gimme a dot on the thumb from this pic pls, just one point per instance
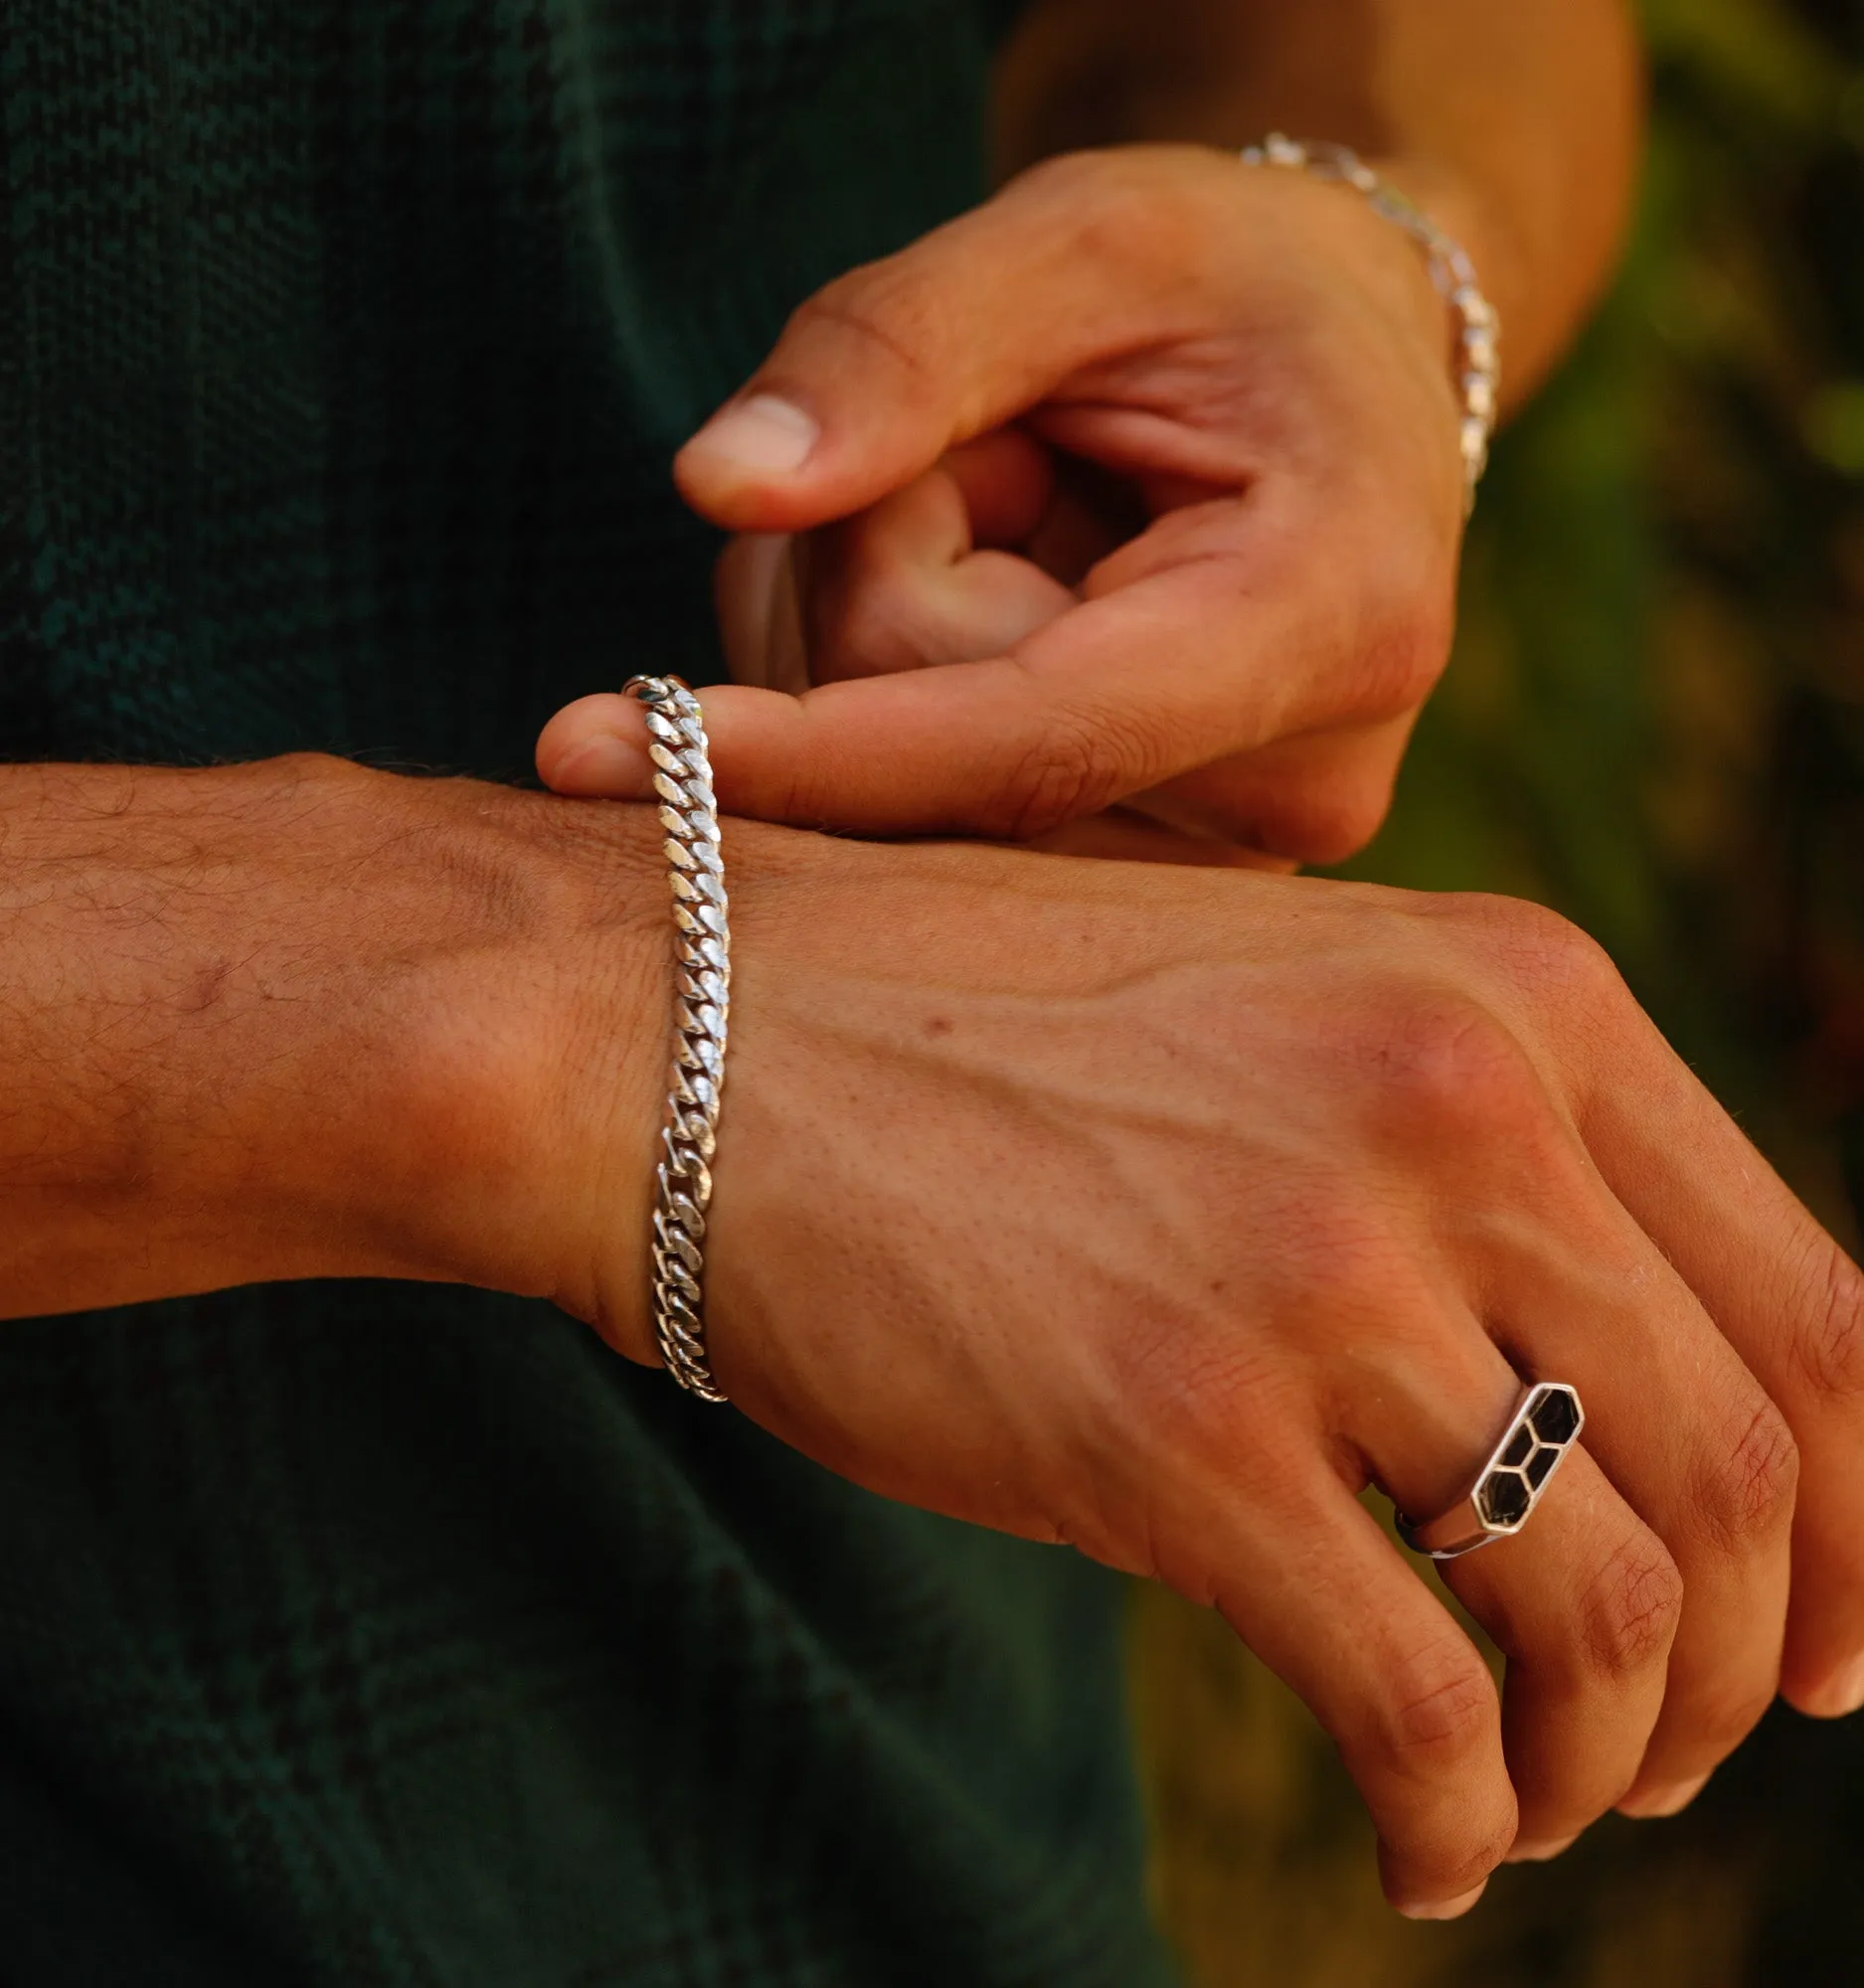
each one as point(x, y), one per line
point(878, 375)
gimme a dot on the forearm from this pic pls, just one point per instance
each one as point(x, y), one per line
point(296, 1019)
point(1517, 124)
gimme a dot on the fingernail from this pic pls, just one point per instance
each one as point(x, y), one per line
point(1664, 1801)
point(615, 768)
point(1843, 1692)
point(763, 437)
point(1445, 1909)
point(1540, 1853)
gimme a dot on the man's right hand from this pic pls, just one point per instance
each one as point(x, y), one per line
point(1156, 1211)
point(1159, 1210)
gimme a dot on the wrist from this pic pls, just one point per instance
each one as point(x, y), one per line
point(528, 1070)
point(1478, 226)
point(1364, 306)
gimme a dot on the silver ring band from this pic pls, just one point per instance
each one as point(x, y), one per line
point(1545, 1426)
point(689, 812)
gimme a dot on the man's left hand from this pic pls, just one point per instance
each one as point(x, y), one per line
point(1128, 501)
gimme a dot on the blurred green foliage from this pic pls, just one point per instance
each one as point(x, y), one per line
point(1655, 716)
point(1654, 721)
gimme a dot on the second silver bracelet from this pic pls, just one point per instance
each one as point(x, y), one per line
point(1478, 335)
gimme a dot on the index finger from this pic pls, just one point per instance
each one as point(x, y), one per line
point(877, 375)
point(1079, 261)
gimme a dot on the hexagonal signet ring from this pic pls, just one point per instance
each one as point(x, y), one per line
point(1544, 1427)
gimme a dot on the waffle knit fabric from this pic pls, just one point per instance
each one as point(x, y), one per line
point(343, 347)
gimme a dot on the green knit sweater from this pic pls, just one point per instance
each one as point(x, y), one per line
point(343, 347)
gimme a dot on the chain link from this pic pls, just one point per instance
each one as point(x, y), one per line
point(1452, 271)
point(689, 812)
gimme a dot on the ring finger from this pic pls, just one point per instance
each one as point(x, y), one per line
point(1583, 1602)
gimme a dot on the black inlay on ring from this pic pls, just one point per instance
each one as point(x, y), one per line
point(1504, 1498)
point(1557, 1417)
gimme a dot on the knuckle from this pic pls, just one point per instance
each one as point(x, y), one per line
point(1485, 1836)
point(1119, 212)
point(1547, 955)
point(1831, 1348)
point(1719, 1719)
point(1747, 1493)
point(1127, 226)
point(891, 308)
point(1440, 1707)
point(1404, 648)
point(1448, 1063)
point(1078, 766)
point(1632, 1607)
point(1456, 1846)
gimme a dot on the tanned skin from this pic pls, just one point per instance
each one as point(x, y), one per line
point(1156, 1210)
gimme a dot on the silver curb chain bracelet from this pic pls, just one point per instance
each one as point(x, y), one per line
point(702, 1001)
point(1451, 273)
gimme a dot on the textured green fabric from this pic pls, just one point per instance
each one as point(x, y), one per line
point(379, 1634)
